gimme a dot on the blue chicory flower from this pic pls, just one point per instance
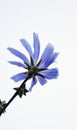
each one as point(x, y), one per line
point(35, 69)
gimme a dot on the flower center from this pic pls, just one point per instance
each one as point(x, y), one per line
point(32, 71)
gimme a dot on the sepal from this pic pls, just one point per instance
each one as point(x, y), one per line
point(2, 105)
point(21, 91)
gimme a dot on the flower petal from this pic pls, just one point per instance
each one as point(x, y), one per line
point(34, 81)
point(18, 54)
point(18, 77)
point(27, 46)
point(42, 80)
point(19, 64)
point(47, 52)
point(51, 59)
point(50, 73)
point(36, 45)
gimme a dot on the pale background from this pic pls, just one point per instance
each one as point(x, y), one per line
point(49, 107)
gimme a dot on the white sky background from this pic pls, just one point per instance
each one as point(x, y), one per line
point(49, 107)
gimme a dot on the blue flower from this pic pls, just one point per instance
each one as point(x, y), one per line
point(35, 69)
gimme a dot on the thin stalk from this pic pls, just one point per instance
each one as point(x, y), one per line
point(13, 97)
